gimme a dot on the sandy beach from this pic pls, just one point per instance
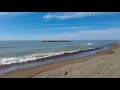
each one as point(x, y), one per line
point(104, 64)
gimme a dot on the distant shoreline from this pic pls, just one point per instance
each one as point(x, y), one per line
point(56, 41)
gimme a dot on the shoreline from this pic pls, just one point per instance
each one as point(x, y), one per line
point(32, 71)
point(6, 68)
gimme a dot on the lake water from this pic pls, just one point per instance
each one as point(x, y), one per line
point(22, 51)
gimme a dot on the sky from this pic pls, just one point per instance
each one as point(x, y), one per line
point(59, 25)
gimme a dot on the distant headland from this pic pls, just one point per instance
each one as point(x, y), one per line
point(56, 41)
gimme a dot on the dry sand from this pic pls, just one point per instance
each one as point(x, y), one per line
point(105, 64)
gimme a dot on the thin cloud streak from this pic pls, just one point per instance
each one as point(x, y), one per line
point(75, 27)
point(70, 15)
point(106, 34)
point(102, 34)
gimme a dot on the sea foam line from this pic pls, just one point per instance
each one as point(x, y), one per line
point(11, 60)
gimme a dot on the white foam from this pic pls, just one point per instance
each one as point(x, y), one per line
point(10, 60)
point(87, 44)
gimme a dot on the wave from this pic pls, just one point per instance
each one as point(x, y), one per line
point(89, 43)
point(85, 44)
point(11, 60)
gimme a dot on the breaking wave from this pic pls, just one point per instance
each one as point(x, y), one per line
point(85, 44)
point(11, 60)
point(88, 44)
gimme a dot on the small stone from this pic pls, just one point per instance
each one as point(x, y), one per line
point(65, 73)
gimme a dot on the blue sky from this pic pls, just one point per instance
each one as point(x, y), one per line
point(59, 26)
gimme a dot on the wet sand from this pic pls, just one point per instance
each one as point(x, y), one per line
point(104, 64)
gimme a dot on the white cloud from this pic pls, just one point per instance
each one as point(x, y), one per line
point(106, 34)
point(69, 15)
point(75, 27)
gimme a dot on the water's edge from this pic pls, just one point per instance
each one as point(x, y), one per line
point(66, 56)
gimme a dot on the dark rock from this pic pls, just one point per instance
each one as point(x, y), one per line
point(56, 41)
